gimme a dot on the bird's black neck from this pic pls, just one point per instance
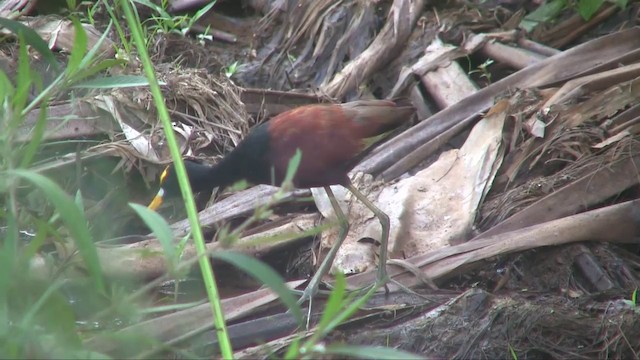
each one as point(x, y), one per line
point(205, 177)
point(248, 161)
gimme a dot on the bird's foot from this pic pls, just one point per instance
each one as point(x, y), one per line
point(383, 279)
point(313, 289)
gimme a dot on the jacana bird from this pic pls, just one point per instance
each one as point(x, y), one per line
point(332, 139)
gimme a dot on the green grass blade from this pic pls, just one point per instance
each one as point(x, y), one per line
point(544, 13)
point(29, 317)
point(88, 59)
point(96, 68)
point(371, 352)
point(206, 270)
point(334, 303)
point(30, 250)
point(8, 258)
point(158, 9)
point(294, 163)
point(79, 202)
point(621, 3)
point(119, 30)
point(513, 353)
point(120, 81)
point(167, 308)
point(200, 13)
point(350, 309)
point(73, 219)
point(162, 231)
point(33, 39)
point(293, 351)
point(79, 48)
point(264, 274)
point(588, 8)
point(6, 88)
point(24, 79)
point(32, 146)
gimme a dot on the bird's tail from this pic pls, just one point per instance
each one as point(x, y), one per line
point(377, 117)
point(376, 120)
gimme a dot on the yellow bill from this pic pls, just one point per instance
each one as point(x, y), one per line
point(157, 200)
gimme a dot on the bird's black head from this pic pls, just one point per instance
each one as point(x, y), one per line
point(169, 188)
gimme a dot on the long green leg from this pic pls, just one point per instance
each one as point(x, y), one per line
point(382, 277)
point(343, 223)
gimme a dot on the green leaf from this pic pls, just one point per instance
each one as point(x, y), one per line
point(621, 3)
point(23, 82)
point(200, 13)
point(154, 7)
point(264, 274)
point(120, 81)
point(93, 69)
point(292, 168)
point(34, 40)
point(513, 353)
point(88, 59)
point(547, 11)
point(371, 352)
point(74, 220)
point(113, 18)
point(335, 301)
point(79, 202)
point(37, 133)
point(544, 13)
point(8, 258)
point(293, 351)
point(350, 307)
point(172, 307)
point(587, 8)
point(162, 231)
point(29, 317)
point(79, 48)
point(42, 230)
point(6, 87)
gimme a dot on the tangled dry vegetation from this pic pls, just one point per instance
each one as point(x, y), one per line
point(515, 190)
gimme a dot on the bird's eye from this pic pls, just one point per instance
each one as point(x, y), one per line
point(164, 175)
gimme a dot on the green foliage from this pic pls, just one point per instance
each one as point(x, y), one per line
point(92, 11)
point(550, 10)
point(114, 82)
point(265, 275)
point(633, 302)
point(588, 8)
point(163, 22)
point(38, 321)
point(622, 4)
point(163, 233)
point(114, 14)
point(231, 69)
point(483, 70)
point(73, 218)
point(32, 39)
point(513, 353)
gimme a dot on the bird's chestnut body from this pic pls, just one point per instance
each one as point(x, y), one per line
point(331, 138)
